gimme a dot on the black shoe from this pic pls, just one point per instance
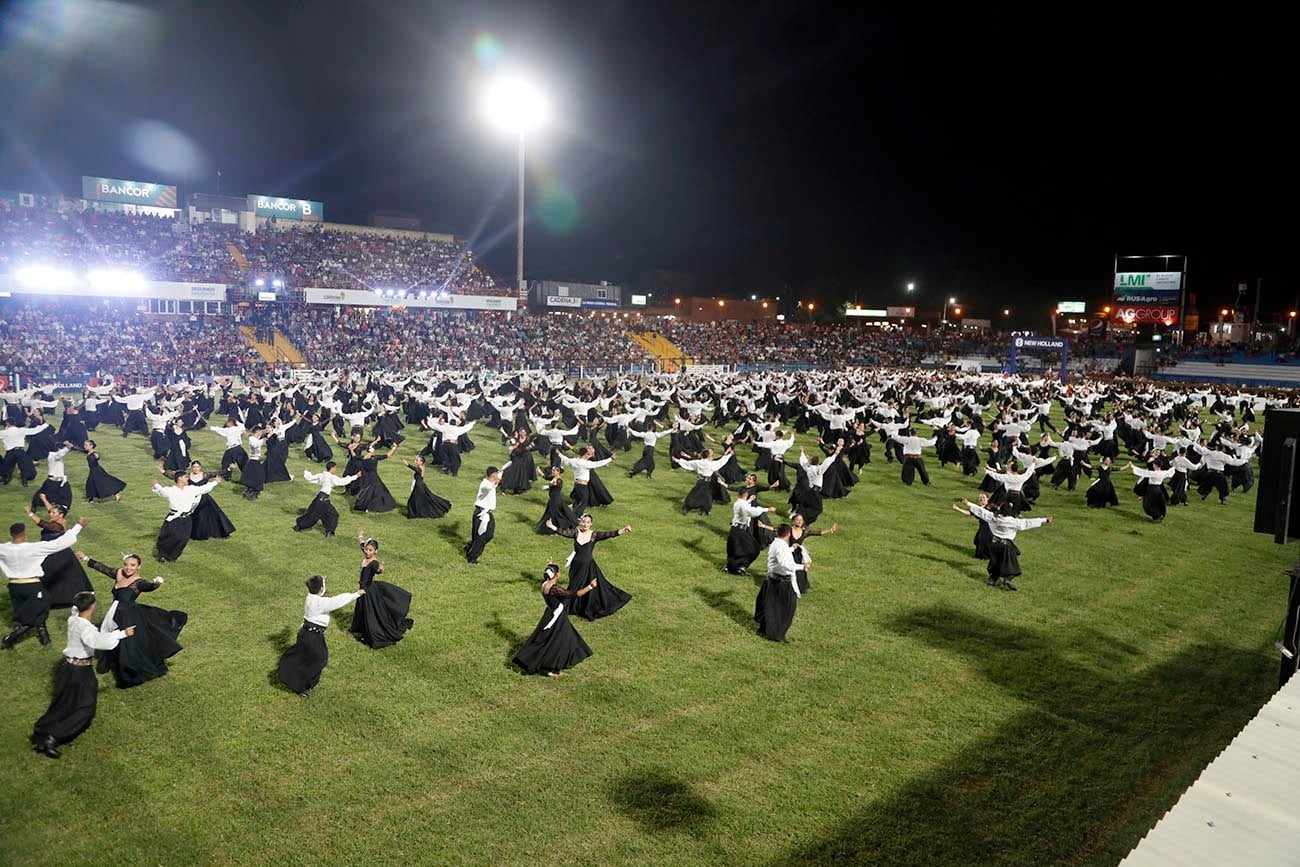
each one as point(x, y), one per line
point(1007, 585)
point(42, 635)
point(47, 745)
point(297, 529)
point(329, 533)
point(11, 639)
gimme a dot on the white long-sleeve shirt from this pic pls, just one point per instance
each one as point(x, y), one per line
point(16, 437)
point(1215, 460)
point(54, 460)
point(84, 639)
point(780, 561)
point(182, 500)
point(486, 499)
point(1156, 477)
point(912, 445)
point(1005, 527)
point(328, 481)
point(582, 467)
point(817, 472)
point(317, 608)
point(743, 512)
point(233, 435)
point(704, 468)
point(23, 560)
point(1011, 481)
point(777, 447)
point(649, 437)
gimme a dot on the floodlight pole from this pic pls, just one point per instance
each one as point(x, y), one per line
point(519, 250)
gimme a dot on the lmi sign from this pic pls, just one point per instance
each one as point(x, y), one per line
point(1148, 287)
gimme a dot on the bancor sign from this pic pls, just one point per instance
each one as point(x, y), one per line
point(128, 192)
point(287, 209)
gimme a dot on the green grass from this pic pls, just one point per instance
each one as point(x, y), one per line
point(916, 717)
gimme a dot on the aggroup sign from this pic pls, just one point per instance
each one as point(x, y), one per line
point(1147, 313)
point(128, 192)
point(287, 209)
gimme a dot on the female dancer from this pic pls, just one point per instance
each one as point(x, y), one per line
point(373, 495)
point(558, 511)
point(1101, 493)
point(301, 665)
point(778, 595)
point(554, 645)
point(76, 691)
point(583, 570)
point(99, 484)
point(157, 630)
point(64, 578)
point(277, 455)
point(803, 559)
point(253, 474)
point(983, 536)
point(523, 470)
point(588, 489)
point(209, 520)
point(1155, 499)
point(178, 447)
point(379, 619)
point(423, 503)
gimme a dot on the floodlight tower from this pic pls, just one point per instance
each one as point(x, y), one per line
point(516, 106)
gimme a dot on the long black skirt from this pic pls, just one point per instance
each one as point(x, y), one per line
point(983, 541)
point(301, 665)
point(554, 649)
point(559, 513)
point(379, 617)
point(144, 655)
point(173, 536)
point(700, 497)
point(600, 495)
point(253, 477)
point(31, 603)
point(100, 485)
point(424, 503)
point(72, 708)
point(209, 521)
point(1101, 494)
point(518, 477)
point(59, 493)
point(64, 578)
point(742, 549)
point(774, 607)
point(602, 601)
point(1155, 502)
point(373, 495)
point(1004, 559)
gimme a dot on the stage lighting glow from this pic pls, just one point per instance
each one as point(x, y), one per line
point(165, 149)
point(45, 276)
point(487, 51)
point(515, 105)
point(278, 284)
point(259, 282)
point(105, 280)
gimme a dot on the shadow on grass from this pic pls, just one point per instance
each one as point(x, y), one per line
point(697, 545)
point(513, 639)
point(1077, 777)
point(658, 802)
point(722, 602)
point(280, 641)
point(967, 551)
point(451, 534)
point(965, 567)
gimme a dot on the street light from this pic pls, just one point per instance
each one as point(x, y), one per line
point(911, 286)
point(516, 106)
point(945, 309)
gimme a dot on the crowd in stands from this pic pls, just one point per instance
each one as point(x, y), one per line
point(302, 256)
point(53, 340)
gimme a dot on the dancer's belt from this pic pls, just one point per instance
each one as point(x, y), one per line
point(77, 660)
point(312, 627)
point(24, 580)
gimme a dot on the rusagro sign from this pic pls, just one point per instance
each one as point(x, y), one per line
point(287, 209)
point(128, 192)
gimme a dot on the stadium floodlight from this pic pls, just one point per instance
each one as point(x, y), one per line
point(401, 293)
point(111, 281)
point(911, 287)
point(516, 106)
point(45, 277)
point(277, 283)
point(259, 282)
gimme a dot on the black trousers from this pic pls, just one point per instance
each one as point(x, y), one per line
point(1211, 481)
point(17, 458)
point(322, 510)
point(646, 462)
point(913, 466)
point(478, 540)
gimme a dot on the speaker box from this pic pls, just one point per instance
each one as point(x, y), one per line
point(1277, 500)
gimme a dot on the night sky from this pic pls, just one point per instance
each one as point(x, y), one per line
point(996, 153)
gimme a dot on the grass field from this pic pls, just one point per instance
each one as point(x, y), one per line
point(915, 717)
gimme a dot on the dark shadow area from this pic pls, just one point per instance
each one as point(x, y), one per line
point(659, 802)
point(280, 641)
point(451, 534)
point(513, 639)
point(967, 551)
point(697, 545)
point(722, 603)
point(1078, 777)
point(965, 567)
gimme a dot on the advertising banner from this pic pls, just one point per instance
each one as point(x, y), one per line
point(287, 209)
point(1150, 288)
point(901, 312)
point(1019, 344)
point(562, 301)
point(1147, 313)
point(76, 286)
point(128, 192)
point(1071, 307)
point(364, 298)
point(603, 303)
